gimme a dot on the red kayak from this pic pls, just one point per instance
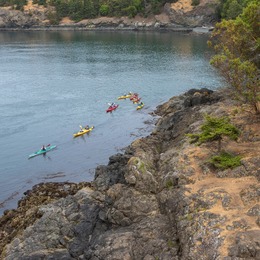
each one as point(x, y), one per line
point(134, 96)
point(112, 108)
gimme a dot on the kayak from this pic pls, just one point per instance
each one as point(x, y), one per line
point(136, 100)
point(134, 96)
point(110, 109)
point(140, 106)
point(47, 149)
point(124, 96)
point(83, 131)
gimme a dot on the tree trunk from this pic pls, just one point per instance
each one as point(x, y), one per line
point(257, 107)
point(219, 144)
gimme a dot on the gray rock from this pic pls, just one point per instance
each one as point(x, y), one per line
point(247, 245)
point(140, 205)
point(254, 211)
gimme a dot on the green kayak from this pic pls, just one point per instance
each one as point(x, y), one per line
point(47, 149)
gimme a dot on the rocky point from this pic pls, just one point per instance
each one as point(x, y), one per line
point(158, 200)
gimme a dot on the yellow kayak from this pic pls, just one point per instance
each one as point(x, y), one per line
point(140, 106)
point(124, 96)
point(83, 131)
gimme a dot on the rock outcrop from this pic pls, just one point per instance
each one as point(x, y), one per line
point(183, 13)
point(159, 200)
point(14, 19)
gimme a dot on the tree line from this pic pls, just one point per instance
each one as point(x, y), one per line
point(82, 9)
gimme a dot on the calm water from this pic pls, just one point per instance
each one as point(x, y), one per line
point(51, 82)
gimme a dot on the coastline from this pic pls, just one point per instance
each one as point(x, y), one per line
point(156, 201)
point(198, 30)
point(40, 37)
point(169, 20)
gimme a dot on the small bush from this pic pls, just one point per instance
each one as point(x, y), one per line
point(104, 10)
point(195, 2)
point(225, 160)
point(169, 184)
point(142, 167)
point(171, 244)
point(130, 11)
point(54, 18)
point(76, 17)
point(42, 2)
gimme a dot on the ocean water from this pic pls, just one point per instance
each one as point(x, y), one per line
point(52, 82)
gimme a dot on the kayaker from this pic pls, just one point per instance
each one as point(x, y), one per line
point(43, 148)
point(112, 105)
point(81, 129)
point(87, 127)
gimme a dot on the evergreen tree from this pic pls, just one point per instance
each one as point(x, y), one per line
point(237, 44)
point(214, 129)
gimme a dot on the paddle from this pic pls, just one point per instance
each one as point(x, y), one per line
point(48, 145)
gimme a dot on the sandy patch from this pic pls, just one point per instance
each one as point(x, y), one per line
point(182, 5)
point(66, 21)
point(33, 7)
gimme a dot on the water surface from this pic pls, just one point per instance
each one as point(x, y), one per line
point(52, 82)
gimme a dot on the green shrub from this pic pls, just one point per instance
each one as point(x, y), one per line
point(53, 18)
point(169, 184)
point(39, 2)
point(104, 10)
point(195, 2)
point(17, 4)
point(42, 2)
point(232, 9)
point(214, 129)
point(225, 160)
point(171, 244)
point(156, 6)
point(142, 167)
point(130, 11)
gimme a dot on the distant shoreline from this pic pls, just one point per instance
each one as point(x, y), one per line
point(202, 30)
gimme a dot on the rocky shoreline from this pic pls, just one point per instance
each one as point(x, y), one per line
point(121, 26)
point(158, 200)
point(108, 28)
point(178, 17)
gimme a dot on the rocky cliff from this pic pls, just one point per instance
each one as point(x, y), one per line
point(158, 200)
point(178, 16)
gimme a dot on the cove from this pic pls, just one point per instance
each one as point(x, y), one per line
point(52, 82)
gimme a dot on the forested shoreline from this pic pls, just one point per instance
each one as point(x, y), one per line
point(89, 9)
